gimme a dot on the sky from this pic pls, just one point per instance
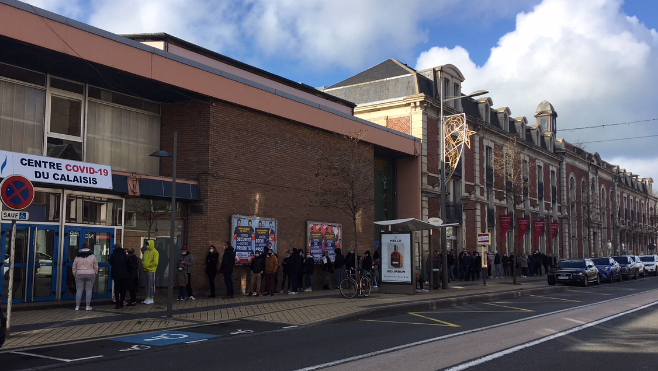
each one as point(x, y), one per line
point(596, 61)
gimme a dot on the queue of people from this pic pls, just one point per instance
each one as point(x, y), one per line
point(296, 270)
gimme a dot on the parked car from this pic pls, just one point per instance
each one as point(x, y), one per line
point(628, 267)
point(650, 264)
point(580, 271)
point(608, 269)
point(639, 264)
point(44, 270)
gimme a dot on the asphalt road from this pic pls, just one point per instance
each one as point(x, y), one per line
point(432, 340)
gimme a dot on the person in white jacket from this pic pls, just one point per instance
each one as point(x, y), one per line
point(85, 269)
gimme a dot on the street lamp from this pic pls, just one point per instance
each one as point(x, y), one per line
point(442, 168)
point(172, 250)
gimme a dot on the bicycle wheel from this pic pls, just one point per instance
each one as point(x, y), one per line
point(366, 286)
point(348, 288)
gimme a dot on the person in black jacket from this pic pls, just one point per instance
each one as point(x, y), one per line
point(366, 264)
point(294, 262)
point(327, 270)
point(350, 260)
point(226, 268)
point(301, 271)
point(133, 276)
point(339, 266)
point(212, 260)
point(285, 272)
point(506, 267)
point(309, 267)
point(257, 268)
point(119, 264)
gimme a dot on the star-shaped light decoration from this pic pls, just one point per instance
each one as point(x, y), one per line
point(457, 135)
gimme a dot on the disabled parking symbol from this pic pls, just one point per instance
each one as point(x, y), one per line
point(165, 338)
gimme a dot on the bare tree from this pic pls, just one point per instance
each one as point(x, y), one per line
point(148, 212)
point(509, 163)
point(343, 186)
point(591, 214)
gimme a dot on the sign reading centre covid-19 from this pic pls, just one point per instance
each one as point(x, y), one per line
point(55, 170)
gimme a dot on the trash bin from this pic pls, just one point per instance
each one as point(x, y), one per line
point(436, 278)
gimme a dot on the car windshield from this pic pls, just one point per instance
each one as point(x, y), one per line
point(646, 258)
point(621, 259)
point(601, 261)
point(572, 264)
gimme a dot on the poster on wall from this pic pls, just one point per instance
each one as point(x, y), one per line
point(321, 237)
point(396, 257)
point(251, 234)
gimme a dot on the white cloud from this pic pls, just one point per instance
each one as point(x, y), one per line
point(595, 65)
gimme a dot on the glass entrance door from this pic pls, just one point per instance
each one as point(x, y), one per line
point(35, 261)
point(101, 242)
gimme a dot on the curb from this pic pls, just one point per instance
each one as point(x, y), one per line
point(402, 308)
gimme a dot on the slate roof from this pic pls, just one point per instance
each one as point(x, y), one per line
point(387, 69)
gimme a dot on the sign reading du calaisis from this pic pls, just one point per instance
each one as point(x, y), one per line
point(55, 170)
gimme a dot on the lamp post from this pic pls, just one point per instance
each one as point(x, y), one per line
point(442, 168)
point(172, 250)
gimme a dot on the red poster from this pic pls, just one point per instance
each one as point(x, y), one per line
point(539, 229)
point(554, 229)
point(524, 223)
point(505, 224)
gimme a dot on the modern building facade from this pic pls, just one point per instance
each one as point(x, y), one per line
point(248, 145)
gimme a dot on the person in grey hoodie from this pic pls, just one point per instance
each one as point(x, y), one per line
point(188, 260)
point(85, 269)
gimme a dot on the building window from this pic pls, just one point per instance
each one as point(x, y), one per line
point(82, 209)
point(66, 112)
point(22, 117)
point(489, 157)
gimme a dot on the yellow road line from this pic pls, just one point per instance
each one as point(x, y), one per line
point(505, 306)
point(408, 323)
point(547, 297)
point(588, 292)
point(434, 319)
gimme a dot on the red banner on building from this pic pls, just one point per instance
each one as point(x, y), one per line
point(524, 223)
point(505, 224)
point(554, 228)
point(539, 229)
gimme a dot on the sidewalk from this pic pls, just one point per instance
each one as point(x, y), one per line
point(59, 323)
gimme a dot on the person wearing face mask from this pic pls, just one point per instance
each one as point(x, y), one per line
point(119, 264)
point(285, 268)
point(188, 259)
point(308, 269)
point(181, 280)
point(271, 266)
point(212, 260)
point(294, 263)
point(301, 271)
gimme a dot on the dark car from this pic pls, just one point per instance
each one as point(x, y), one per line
point(580, 271)
point(609, 269)
point(628, 267)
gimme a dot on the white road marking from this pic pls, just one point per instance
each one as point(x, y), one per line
point(438, 338)
point(491, 357)
point(55, 358)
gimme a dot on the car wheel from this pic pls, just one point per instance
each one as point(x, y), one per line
point(612, 277)
point(551, 283)
point(598, 280)
point(637, 274)
point(620, 277)
point(586, 282)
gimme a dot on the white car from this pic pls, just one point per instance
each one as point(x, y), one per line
point(650, 264)
point(639, 264)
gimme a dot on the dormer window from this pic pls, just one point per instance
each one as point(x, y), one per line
point(487, 113)
point(544, 124)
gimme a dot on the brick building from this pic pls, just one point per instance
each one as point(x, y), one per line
point(566, 203)
point(248, 146)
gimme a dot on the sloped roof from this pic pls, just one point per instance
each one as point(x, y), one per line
point(387, 69)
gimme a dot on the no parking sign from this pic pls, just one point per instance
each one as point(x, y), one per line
point(17, 192)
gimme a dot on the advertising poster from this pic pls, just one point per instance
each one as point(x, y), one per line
point(323, 237)
point(252, 234)
point(396, 257)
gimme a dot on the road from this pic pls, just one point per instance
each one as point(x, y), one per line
point(599, 326)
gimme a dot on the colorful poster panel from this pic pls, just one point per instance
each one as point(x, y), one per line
point(321, 236)
point(251, 234)
point(396, 257)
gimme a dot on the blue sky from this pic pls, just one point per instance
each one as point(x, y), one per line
point(596, 61)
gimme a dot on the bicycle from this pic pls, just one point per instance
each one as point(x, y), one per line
point(349, 288)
